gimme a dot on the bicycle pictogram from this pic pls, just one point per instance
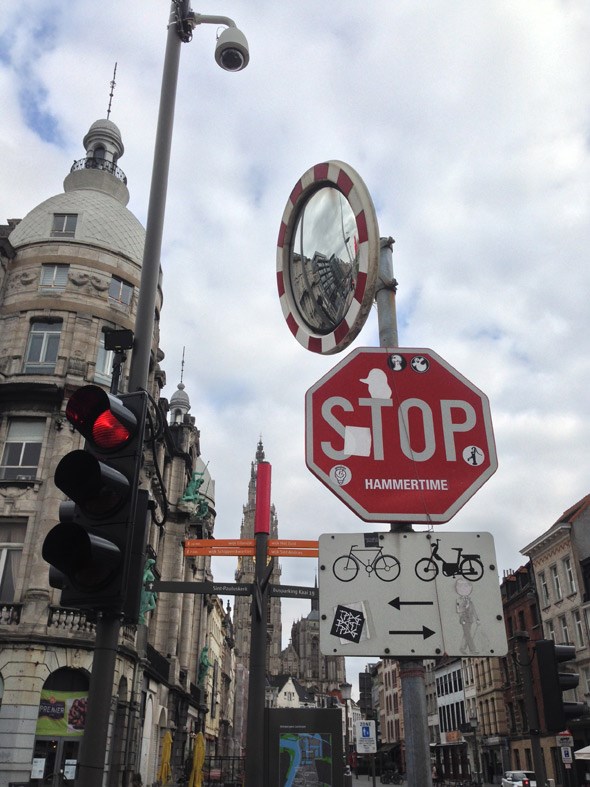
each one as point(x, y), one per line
point(386, 567)
point(468, 566)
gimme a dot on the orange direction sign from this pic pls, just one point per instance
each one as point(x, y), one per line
point(283, 547)
point(194, 547)
point(277, 547)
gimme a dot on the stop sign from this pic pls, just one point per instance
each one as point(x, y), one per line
point(399, 435)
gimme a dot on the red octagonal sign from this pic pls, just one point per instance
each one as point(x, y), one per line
point(399, 435)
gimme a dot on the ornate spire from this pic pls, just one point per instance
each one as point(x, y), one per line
point(260, 451)
point(113, 85)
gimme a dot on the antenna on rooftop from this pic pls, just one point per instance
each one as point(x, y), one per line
point(113, 85)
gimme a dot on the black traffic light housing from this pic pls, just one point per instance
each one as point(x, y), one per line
point(97, 551)
point(557, 712)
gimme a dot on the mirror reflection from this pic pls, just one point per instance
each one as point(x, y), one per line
point(324, 259)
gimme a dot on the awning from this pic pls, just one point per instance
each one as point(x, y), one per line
point(583, 754)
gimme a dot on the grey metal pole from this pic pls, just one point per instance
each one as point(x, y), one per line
point(530, 706)
point(91, 762)
point(385, 296)
point(418, 767)
point(411, 670)
point(92, 755)
point(255, 762)
point(150, 271)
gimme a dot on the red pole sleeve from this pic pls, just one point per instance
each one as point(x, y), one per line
point(262, 519)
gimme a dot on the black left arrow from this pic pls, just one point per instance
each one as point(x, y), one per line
point(397, 603)
point(426, 632)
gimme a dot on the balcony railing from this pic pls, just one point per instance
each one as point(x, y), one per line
point(10, 613)
point(102, 164)
point(72, 620)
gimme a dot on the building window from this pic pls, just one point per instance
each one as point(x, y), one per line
point(120, 291)
point(544, 589)
point(579, 628)
point(12, 538)
point(569, 573)
point(64, 225)
point(565, 635)
point(42, 348)
point(556, 582)
point(104, 363)
point(20, 458)
point(54, 277)
point(550, 630)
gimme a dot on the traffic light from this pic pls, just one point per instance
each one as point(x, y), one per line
point(97, 551)
point(554, 683)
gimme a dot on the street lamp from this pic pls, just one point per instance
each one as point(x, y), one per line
point(231, 53)
point(473, 723)
point(346, 693)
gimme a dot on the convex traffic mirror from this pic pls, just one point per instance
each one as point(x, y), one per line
point(328, 256)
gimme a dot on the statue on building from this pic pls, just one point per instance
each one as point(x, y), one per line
point(148, 596)
point(204, 665)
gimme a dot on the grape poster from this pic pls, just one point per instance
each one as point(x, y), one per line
point(62, 713)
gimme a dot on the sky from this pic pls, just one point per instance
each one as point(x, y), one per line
point(469, 123)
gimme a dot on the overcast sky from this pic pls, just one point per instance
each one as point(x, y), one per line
point(469, 123)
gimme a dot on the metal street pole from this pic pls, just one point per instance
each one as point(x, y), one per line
point(94, 743)
point(233, 56)
point(524, 661)
point(255, 750)
point(345, 691)
point(411, 670)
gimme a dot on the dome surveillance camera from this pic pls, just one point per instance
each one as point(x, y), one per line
point(231, 51)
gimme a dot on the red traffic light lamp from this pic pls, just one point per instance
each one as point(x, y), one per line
point(96, 552)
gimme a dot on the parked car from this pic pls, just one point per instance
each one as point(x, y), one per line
point(519, 779)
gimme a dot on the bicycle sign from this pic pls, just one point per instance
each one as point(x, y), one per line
point(346, 567)
point(410, 594)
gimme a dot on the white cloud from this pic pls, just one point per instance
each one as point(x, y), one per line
point(469, 124)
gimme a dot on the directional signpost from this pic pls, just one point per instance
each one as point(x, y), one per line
point(410, 594)
point(399, 435)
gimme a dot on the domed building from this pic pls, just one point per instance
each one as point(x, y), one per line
point(69, 279)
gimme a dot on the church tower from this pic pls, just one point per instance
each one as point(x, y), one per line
point(245, 573)
point(303, 659)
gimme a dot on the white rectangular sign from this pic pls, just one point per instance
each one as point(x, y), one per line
point(366, 737)
point(421, 594)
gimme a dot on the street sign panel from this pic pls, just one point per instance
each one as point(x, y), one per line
point(399, 435)
point(365, 736)
point(410, 594)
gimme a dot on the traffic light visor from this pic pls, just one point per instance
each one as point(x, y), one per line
point(101, 418)
point(97, 488)
point(87, 560)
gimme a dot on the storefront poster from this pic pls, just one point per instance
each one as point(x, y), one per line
point(62, 713)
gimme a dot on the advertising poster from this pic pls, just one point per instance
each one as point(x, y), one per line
point(304, 747)
point(62, 713)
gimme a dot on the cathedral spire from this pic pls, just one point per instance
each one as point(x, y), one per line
point(260, 451)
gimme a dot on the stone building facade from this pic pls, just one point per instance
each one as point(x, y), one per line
point(69, 271)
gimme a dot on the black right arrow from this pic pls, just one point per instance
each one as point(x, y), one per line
point(426, 632)
point(397, 603)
